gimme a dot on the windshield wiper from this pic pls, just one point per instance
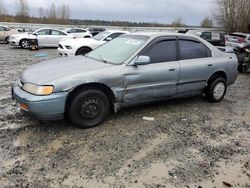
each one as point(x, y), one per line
point(103, 59)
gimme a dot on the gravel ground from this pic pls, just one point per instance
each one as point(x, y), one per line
point(190, 143)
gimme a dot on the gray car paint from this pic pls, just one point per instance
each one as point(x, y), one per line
point(134, 84)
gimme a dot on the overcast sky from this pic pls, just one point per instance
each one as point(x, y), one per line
point(161, 11)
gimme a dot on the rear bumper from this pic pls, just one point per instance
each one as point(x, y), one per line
point(51, 107)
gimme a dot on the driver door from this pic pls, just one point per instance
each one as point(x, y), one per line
point(43, 37)
point(156, 80)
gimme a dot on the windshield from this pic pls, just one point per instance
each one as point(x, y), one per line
point(101, 35)
point(118, 50)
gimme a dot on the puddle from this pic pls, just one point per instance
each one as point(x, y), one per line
point(233, 174)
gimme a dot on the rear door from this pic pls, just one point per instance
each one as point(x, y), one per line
point(56, 37)
point(156, 80)
point(196, 65)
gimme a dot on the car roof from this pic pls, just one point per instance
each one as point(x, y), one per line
point(116, 31)
point(160, 34)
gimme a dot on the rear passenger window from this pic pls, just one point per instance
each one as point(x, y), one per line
point(80, 31)
point(163, 51)
point(190, 49)
point(206, 35)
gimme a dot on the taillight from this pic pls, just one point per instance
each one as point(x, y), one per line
point(241, 40)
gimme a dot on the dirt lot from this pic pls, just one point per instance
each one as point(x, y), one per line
point(191, 143)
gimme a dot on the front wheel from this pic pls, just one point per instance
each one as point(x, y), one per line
point(83, 51)
point(89, 108)
point(24, 43)
point(216, 90)
point(7, 40)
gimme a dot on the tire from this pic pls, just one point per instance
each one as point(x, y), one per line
point(83, 51)
point(216, 90)
point(88, 108)
point(7, 40)
point(240, 68)
point(24, 43)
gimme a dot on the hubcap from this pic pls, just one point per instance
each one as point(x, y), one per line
point(25, 44)
point(219, 90)
point(90, 108)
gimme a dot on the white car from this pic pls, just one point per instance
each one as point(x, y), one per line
point(47, 37)
point(85, 45)
point(79, 32)
point(5, 33)
point(238, 40)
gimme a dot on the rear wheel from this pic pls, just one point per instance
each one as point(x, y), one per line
point(88, 108)
point(83, 51)
point(216, 90)
point(24, 43)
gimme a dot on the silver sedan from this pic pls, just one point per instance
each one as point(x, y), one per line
point(129, 70)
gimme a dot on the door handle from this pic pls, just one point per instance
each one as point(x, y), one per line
point(210, 65)
point(172, 69)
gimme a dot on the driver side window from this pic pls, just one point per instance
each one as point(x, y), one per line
point(44, 32)
point(162, 51)
point(113, 36)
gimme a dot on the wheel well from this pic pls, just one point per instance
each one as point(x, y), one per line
point(21, 41)
point(86, 47)
point(87, 36)
point(102, 87)
point(217, 75)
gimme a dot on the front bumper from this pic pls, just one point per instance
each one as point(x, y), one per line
point(65, 53)
point(51, 107)
point(14, 42)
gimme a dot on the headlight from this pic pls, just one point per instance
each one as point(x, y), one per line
point(68, 47)
point(38, 90)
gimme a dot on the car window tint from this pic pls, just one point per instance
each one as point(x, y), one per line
point(7, 29)
point(44, 32)
point(190, 49)
point(2, 29)
point(114, 35)
point(55, 32)
point(206, 35)
point(80, 31)
point(71, 31)
point(163, 51)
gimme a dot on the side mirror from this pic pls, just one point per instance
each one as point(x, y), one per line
point(35, 34)
point(108, 39)
point(142, 60)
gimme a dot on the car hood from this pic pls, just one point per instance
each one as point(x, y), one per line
point(46, 72)
point(79, 41)
point(24, 35)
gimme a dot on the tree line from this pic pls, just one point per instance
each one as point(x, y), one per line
point(231, 15)
point(54, 14)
